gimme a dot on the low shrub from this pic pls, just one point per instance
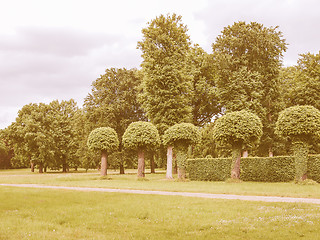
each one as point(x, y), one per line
point(257, 169)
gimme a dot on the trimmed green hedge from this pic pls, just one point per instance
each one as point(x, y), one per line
point(258, 169)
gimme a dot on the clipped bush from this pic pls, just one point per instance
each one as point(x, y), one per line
point(181, 136)
point(301, 125)
point(105, 140)
point(239, 130)
point(275, 169)
point(141, 136)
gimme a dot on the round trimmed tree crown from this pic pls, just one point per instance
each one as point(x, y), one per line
point(103, 139)
point(141, 135)
point(181, 134)
point(299, 122)
point(238, 128)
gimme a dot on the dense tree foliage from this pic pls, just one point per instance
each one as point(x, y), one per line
point(240, 130)
point(301, 124)
point(105, 140)
point(248, 60)
point(141, 137)
point(166, 84)
point(181, 136)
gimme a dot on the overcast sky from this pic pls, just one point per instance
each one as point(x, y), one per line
point(55, 49)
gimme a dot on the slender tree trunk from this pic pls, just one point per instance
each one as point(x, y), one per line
point(174, 159)
point(104, 163)
point(245, 154)
point(152, 164)
point(45, 169)
point(121, 168)
point(301, 151)
point(169, 163)
point(141, 164)
point(40, 167)
point(76, 168)
point(64, 167)
point(32, 166)
point(270, 152)
point(235, 168)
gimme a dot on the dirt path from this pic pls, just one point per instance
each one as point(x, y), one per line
point(184, 194)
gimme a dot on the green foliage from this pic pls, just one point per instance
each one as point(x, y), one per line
point(304, 82)
point(3, 149)
point(204, 102)
point(248, 59)
point(206, 146)
point(274, 169)
point(237, 129)
point(182, 134)
point(209, 169)
point(299, 123)
point(257, 169)
point(103, 139)
point(113, 100)
point(141, 135)
point(166, 85)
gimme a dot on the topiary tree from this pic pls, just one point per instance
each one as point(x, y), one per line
point(104, 139)
point(141, 136)
point(181, 136)
point(301, 125)
point(239, 130)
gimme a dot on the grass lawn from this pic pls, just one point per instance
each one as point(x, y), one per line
point(61, 214)
point(157, 182)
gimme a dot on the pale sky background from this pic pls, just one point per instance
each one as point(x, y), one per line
point(55, 49)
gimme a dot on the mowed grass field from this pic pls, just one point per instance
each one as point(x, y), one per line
point(27, 213)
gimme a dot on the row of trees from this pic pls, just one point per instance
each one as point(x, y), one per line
point(178, 82)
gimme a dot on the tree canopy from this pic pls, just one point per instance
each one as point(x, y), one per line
point(103, 139)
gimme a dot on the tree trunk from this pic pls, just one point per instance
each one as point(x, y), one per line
point(75, 168)
point(104, 163)
point(235, 168)
point(181, 173)
point(32, 166)
point(121, 168)
point(245, 154)
point(64, 167)
point(169, 163)
point(270, 152)
point(152, 164)
point(141, 164)
point(301, 151)
point(45, 169)
point(174, 159)
point(40, 168)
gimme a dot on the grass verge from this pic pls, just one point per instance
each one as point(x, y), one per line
point(59, 214)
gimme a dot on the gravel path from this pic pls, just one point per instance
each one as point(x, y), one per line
point(184, 194)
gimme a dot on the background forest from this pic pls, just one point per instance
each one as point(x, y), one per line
point(178, 82)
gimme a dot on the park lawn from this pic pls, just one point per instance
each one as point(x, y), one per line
point(63, 214)
point(157, 182)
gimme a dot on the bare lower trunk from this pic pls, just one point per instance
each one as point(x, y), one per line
point(270, 152)
point(152, 165)
point(104, 163)
point(174, 159)
point(32, 166)
point(64, 167)
point(181, 173)
point(141, 164)
point(245, 154)
point(40, 168)
point(235, 168)
point(169, 163)
point(121, 168)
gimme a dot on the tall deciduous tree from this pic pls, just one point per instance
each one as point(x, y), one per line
point(204, 101)
point(113, 101)
point(304, 86)
point(166, 84)
point(248, 58)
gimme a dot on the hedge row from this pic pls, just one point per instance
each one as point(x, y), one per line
point(258, 169)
